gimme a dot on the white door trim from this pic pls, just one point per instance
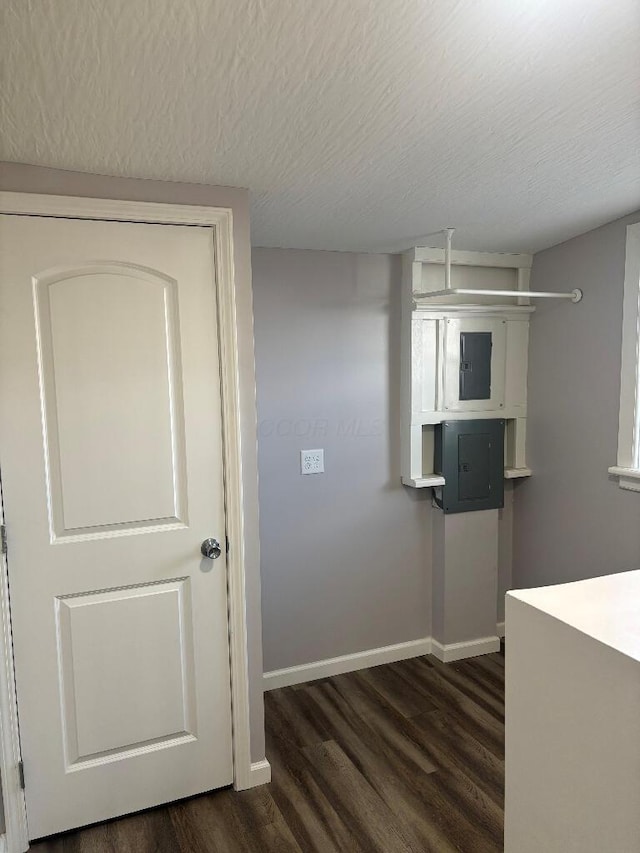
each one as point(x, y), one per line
point(13, 802)
point(221, 222)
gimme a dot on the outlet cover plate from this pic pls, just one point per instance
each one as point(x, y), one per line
point(312, 461)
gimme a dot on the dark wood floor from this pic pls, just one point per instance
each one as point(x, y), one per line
point(397, 758)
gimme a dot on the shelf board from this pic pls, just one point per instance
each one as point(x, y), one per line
point(427, 482)
point(432, 480)
point(516, 473)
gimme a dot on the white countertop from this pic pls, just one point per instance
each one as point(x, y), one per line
point(605, 608)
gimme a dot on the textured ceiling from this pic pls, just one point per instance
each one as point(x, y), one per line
point(356, 124)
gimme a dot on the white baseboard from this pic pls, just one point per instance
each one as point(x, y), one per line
point(260, 773)
point(375, 657)
point(470, 649)
point(257, 773)
point(345, 663)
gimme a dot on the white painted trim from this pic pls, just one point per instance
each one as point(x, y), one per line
point(501, 312)
point(32, 204)
point(428, 255)
point(260, 773)
point(345, 663)
point(436, 417)
point(516, 473)
point(470, 649)
point(628, 478)
point(428, 482)
point(628, 458)
point(305, 672)
point(632, 473)
point(16, 837)
point(3, 844)
point(523, 278)
point(232, 452)
point(220, 219)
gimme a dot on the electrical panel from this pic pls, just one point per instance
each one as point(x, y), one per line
point(475, 366)
point(470, 457)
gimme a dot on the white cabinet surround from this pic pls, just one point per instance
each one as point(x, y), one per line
point(465, 545)
point(430, 361)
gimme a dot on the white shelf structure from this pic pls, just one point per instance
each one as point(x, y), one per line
point(479, 298)
point(429, 482)
point(465, 341)
point(437, 256)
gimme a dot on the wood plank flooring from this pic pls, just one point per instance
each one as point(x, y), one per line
point(401, 758)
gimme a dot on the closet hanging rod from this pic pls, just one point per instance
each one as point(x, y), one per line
point(574, 295)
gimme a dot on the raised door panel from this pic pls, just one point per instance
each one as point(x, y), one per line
point(125, 659)
point(111, 399)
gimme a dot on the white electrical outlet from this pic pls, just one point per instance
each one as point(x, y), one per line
point(312, 461)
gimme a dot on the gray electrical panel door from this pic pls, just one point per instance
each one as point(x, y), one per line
point(475, 365)
point(470, 457)
point(474, 467)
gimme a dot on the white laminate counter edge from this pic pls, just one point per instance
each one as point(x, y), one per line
point(606, 608)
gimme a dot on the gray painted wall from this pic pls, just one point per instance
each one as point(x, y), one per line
point(465, 575)
point(505, 546)
point(16, 177)
point(346, 554)
point(571, 519)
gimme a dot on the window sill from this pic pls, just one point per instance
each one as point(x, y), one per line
point(628, 478)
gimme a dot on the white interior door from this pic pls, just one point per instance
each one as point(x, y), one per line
point(111, 461)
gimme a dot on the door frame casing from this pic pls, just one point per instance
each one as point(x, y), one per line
point(220, 221)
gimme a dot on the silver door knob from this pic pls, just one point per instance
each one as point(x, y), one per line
point(211, 548)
